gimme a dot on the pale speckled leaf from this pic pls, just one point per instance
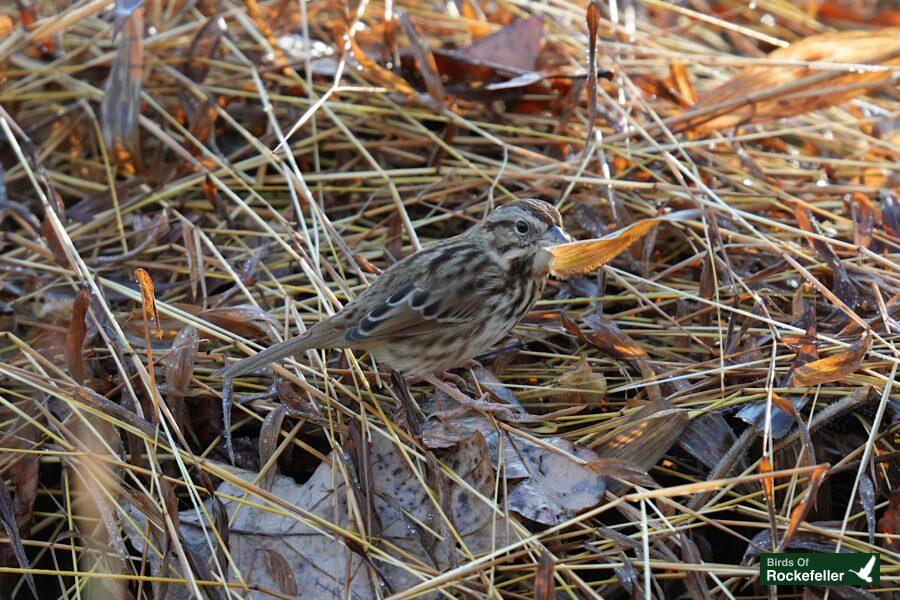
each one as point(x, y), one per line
point(323, 566)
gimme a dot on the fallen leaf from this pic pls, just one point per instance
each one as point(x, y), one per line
point(707, 438)
point(833, 368)
point(765, 92)
point(581, 384)
point(75, 336)
point(798, 514)
point(179, 370)
point(318, 555)
point(547, 481)
point(584, 256)
point(559, 484)
point(242, 320)
point(120, 106)
point(842, 286)
point(645, 438)
point(544, 589)
point(516, 46)
point(148, 297)
point(425, 61)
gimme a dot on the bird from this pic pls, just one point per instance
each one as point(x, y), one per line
point(866, 572)
point(445, 303)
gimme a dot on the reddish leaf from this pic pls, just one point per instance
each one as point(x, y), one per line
point(516, 46)
point(75, 336)
point(543, 578)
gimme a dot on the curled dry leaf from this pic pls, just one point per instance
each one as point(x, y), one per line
point(180, 369)
point(121, 103)
point(765, 92)
point(833, 368)
point(148, 297)
point(584, 256)
point(646, 438)
point(425, 61)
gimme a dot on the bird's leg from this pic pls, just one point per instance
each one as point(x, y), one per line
point(466, 402)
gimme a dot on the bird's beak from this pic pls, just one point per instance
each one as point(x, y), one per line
point(555, 236)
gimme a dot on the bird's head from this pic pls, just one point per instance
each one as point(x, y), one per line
point(521, 230)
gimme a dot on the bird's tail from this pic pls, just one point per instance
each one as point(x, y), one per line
point(295, 345)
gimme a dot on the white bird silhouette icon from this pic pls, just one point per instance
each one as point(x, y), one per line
point(866, 572)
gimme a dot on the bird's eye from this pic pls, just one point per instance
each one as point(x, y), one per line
point(521, 226)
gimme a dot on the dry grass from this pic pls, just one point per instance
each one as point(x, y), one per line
point(258, 193)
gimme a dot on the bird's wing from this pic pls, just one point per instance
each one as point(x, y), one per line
point(416, 310)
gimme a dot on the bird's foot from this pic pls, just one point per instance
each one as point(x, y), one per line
point(466, 402)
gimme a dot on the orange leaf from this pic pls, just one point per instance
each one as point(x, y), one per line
point(765, 466)
point(765, 92)
point(583, 256)
point(833, 368)
point(148, 297)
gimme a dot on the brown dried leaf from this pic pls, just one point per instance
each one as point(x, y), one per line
point(242, 320)
point(180, 369)
point(544, 588)
point(268, 443)
point(645, 439)
point(765, 466)
point(121, 103)
point(765, 92)
point(834, 368)
point(842, 286)
point(801, 510)
point(516, 46)
point(425, 61)
point(584, 256)
point(626, 470)
point(75, 336)
point(864, 220)
point(202, 48)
